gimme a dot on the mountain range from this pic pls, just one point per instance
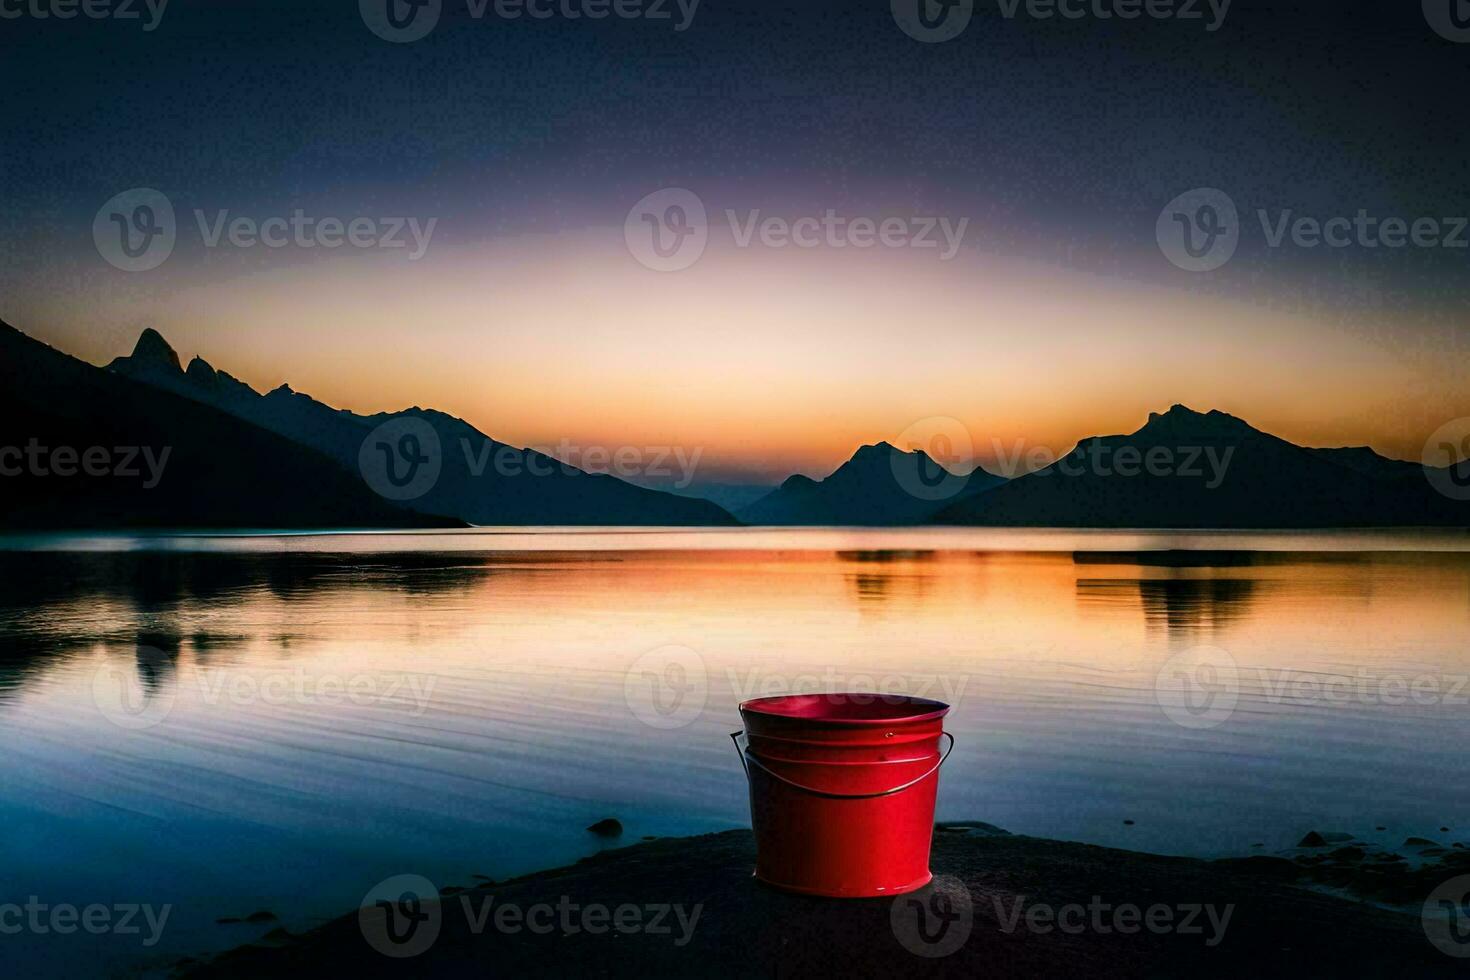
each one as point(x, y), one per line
point(1189, 469)
point(237, 457)
point(480, 480)
point(880, 485)
point(83, 448)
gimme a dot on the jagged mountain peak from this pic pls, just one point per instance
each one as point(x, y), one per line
point(152, 348)
point(1181, 420)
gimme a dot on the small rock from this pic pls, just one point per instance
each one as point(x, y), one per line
point(649, 837)
point(1444, 830)
point(1458, 844)
point(1347, 854)
point(264, 915)
point(607, 827)
point(1380, 828)
point(483, 878)
point(1430, 852)
point(1127, 823)
point(1420, 842)
point(276, 935)
point(1313, 839)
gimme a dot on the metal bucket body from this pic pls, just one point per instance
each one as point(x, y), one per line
point(842, 791)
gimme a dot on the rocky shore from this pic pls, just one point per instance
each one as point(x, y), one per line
point(1001, 906)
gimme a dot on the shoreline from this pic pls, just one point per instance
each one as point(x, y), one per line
point(1001, 905)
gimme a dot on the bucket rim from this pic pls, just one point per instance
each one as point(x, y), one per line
point(927, 709)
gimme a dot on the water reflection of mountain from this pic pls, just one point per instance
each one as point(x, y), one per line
point(63, 603)
point(1177, 591)
point(885, 581)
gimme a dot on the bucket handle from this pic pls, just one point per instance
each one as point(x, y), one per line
point(747, 760)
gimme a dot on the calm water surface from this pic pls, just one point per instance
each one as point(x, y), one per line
point(226, 724)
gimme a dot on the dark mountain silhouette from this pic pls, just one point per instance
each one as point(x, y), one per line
point(1212, 470)
point(879, 486)
point(480, 480)
point(99, 457)
point(1369, 463)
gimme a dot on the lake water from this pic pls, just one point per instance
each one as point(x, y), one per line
point(227, 724)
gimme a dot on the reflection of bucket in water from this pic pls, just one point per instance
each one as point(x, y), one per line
point(842, 790)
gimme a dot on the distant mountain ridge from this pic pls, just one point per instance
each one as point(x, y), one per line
point(240, 458)
point(112, 453)
point(1188, 469)
point(880, 485)
point(480, 480)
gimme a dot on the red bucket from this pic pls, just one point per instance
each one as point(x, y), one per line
point(842, 790)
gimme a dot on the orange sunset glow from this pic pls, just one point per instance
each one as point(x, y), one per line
point(564, 340)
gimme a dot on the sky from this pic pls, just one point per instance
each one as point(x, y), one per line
point(1033, 175)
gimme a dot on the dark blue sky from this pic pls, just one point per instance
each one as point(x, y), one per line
point(1071, 131)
